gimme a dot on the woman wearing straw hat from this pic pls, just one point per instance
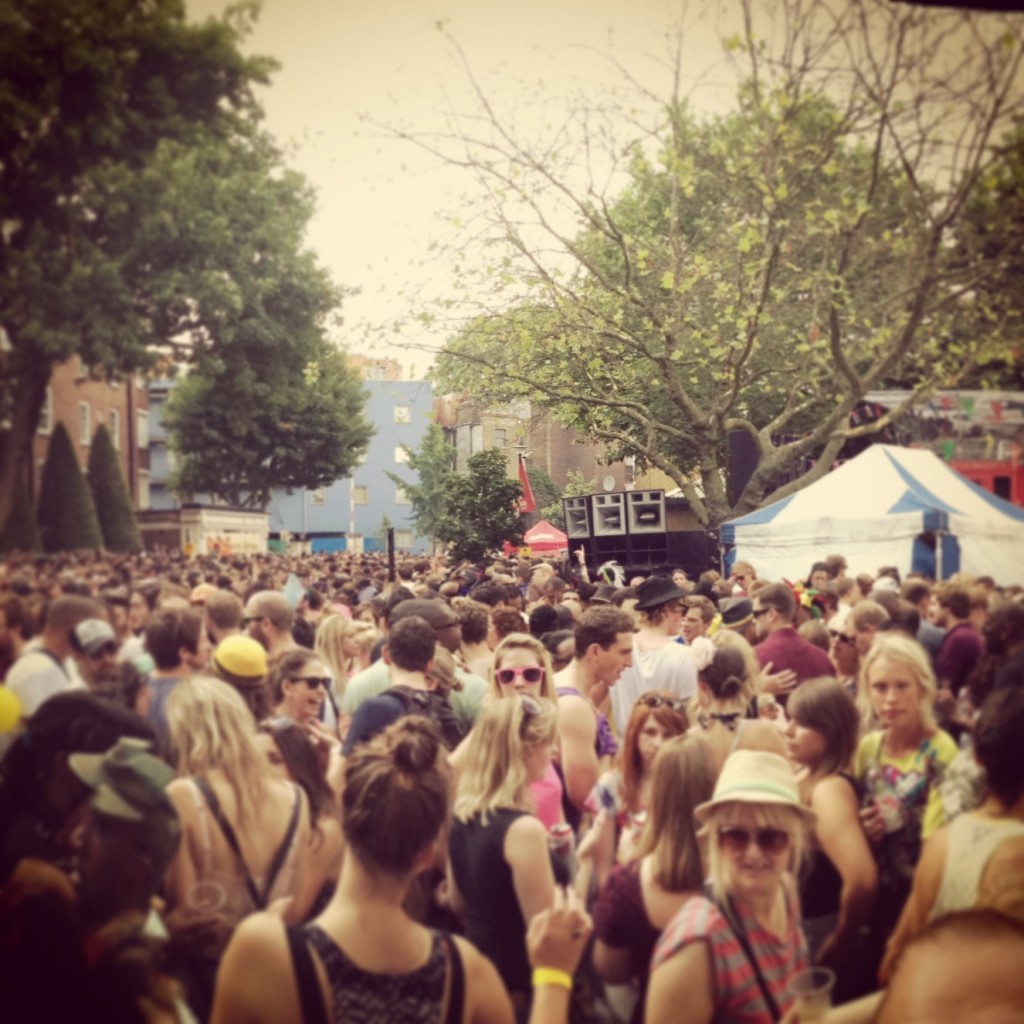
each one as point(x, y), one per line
point(731, 958)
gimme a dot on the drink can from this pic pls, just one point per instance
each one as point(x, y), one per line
point(561, 841)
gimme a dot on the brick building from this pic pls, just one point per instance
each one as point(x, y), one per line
point(82, 403)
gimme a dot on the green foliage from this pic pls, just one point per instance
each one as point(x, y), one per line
point(288, 414)
point(66, 514)
point(545, 493)
point(110, 495)
point(434, 468)
point(757, 271)
point(21, 532)
point(576, 485)
point(481, 509)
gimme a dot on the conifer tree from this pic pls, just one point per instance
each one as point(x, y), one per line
point(110, 495)
point(66, 514)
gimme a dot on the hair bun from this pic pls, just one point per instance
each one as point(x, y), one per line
point(415, 744)
point(732, 687)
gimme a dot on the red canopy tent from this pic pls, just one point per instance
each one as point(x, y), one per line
point(544, 537)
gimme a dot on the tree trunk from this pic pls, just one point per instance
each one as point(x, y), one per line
point(28, 391)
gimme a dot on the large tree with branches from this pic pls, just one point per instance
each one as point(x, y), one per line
point(758, 271)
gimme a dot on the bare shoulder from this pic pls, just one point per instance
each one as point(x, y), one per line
point(253, 980)
point(526, 830)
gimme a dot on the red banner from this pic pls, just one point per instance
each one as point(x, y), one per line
point(526, 502)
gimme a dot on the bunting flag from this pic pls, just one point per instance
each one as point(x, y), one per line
point(526, 502)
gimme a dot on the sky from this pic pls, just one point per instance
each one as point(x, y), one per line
point(381, 202)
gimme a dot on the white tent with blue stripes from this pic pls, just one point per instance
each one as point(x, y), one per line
point(889, 506)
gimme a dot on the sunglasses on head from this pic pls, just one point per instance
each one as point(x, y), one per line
point(313, 682)
point(656, 700)
point(734, 839)
point(507, 676)
point(840, 638)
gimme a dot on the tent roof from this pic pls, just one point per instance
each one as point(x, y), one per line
point(873, 509)
point(543, 535)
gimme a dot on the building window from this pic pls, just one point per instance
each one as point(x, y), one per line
point(375, 371)
point(115, 429)
point(403, 414)
point(142, 429)
point(476, 438)
point(84, 423)
point(402, 454)
point(401, 498)
point(143, 488)
point(500, 437)
point(403, 539)
point(46, 413)
point(360, 495)
point(318, 496)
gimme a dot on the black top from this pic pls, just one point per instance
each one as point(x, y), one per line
point(821, 885)
point(494, 922)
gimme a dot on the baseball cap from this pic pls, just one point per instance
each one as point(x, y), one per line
point(240, 660)
point(91, 635)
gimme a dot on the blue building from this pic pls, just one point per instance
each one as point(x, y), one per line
point(351, 514)
point(354, 514)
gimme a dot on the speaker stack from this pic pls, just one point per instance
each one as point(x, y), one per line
point(627, 526)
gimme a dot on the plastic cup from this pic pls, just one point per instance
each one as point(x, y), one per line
point(812, 992)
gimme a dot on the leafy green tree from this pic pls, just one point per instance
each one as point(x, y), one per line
point(110, 495)
point(66, 514)
point(758, 271)
point(290, 416)
point(103, 110)
point(434, 468)
point(545, 493)
point(481, 508)
point(576, 485)
point(21, 532)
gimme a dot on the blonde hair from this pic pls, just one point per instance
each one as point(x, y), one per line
point(902, 650)
point(786, 818)
point(212, 729)
point(494, 776)
point(330, 635)
point(522, 642)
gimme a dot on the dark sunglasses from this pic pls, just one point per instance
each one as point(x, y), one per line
point(758, 612)
point(507, 676)
point(840, 638)
point(734, 839)
point(656, 700)
point(313, 682)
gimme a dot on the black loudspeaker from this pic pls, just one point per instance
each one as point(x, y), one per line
point(577, 517)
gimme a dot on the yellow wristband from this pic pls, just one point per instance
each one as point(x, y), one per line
point(551, 976)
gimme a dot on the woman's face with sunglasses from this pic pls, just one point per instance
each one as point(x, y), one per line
point(305, 691)
point(756, 855)
point(520, 671)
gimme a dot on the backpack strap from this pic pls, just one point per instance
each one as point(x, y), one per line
point(310, 996)
point(229, 834)
point(455, 989)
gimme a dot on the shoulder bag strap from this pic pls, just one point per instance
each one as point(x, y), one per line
point(281, 853)
point(229, 834)
point(736, 925)
point(456, 992)
point(310, 996)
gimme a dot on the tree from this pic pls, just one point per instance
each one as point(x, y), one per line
point(481, 508)
point(289, 416)
point(758, 271)
point(66, 514)
point(434, 468)
point(575, 485)
point(545, 493)
point(110, 495)
point(103, 108)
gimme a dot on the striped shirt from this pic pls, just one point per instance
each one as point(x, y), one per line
point(736, 993)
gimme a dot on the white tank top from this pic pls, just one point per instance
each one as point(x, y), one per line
point(973, 839)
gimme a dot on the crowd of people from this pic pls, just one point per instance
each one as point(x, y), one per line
point(326, 787)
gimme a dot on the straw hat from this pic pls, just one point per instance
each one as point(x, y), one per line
point(755, 777)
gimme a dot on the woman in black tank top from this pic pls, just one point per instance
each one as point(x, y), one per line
point(364, 958)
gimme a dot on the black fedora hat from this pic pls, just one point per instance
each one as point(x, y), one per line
point(655, 591)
